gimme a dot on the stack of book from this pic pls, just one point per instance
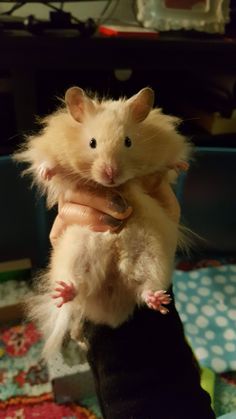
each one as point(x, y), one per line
point(212, 122)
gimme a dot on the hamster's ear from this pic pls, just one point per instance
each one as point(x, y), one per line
point(141, 104)
point(78, 103)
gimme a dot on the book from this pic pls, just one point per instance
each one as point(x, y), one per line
point(124, 31)
point(15, 269)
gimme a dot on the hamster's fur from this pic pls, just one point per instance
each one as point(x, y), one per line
point(105, 143)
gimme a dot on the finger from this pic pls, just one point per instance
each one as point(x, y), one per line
point(166, 196)
point(83, 216)
point(57, 229)
point(160, 189)
point(104, 200)
point(86, 216)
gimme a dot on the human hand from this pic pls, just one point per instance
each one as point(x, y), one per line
point(107, 210)
point(104, 210)
point(99, 209)
point(165, 195)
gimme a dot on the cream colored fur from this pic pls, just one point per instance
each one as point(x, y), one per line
point(111, 272)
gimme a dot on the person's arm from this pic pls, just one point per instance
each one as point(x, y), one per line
point(143, 369)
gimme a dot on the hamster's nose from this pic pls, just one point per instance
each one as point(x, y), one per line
point(109, 173)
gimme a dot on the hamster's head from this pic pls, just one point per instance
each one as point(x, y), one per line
point(116, 139)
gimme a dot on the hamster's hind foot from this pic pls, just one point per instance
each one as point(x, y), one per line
point(157, 300)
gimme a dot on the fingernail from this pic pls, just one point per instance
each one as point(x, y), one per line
point(113, 222)
point(118, 204)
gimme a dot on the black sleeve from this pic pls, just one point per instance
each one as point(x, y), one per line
point(146, 370)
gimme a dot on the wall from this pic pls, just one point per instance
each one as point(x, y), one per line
point(81, 9)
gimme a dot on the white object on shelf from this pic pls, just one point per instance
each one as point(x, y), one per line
point(13, 292)
point(201, 15)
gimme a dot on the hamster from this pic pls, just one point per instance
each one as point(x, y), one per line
point(97, 276)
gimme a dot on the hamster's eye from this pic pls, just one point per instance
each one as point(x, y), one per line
point(93, 143)
point(128, 142)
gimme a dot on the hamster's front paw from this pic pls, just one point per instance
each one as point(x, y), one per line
point(46, 172)
point(156, 300)
point(181, 166)
point(66, 292)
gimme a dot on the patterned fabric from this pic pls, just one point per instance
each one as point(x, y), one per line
point(231, 415)
point(22, 373)
point(25, 389)
point(206, 301)
point(47, 410)
point(225, 393)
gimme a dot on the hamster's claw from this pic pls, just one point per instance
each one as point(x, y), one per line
point(66, 292)
point(156, 300)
